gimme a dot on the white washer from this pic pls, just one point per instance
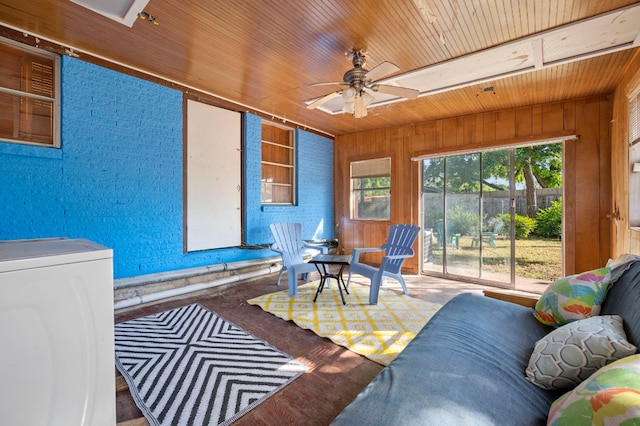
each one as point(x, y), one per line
point(56, 333)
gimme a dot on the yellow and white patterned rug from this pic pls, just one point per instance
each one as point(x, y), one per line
point(379, 332)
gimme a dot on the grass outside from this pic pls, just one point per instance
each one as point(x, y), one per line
point(535, 258)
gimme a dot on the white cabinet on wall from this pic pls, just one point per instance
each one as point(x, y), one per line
point(56, 328)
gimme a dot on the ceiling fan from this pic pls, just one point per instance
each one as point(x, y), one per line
point(358, 80)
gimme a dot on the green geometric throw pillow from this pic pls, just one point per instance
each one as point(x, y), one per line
point(570, 354)
point(573, 298)
point(611, 396)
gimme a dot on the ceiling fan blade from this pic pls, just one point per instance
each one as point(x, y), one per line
point(403, 92)
point(325, 98)
point(330, 83)
point(381, 70)
point(359, 109)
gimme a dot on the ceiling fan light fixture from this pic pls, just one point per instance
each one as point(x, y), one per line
point(348, 107)
point(349, 94)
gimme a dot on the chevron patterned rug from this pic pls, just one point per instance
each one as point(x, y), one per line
point(379, 332)
point(188, 366)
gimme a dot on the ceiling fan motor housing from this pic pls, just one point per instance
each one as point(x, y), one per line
point(356, 78)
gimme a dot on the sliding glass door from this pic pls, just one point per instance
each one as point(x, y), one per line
point(463, 227)
point(474, 206)
point(461, 218)
point(495, 240)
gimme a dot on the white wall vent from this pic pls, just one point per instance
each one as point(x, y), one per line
point(123, 11)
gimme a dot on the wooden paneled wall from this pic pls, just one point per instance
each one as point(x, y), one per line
point(624, 239)
point(587, 170)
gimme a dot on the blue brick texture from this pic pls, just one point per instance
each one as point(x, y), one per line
point(118, 177)
point(314, 182)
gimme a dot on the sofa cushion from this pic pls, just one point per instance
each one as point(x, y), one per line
point(623, 298)
point(570, 354)
point(573, 298)
point(466, 366)
point(610, 396)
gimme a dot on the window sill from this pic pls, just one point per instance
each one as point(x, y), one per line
point(9, 148)
point(276, 207)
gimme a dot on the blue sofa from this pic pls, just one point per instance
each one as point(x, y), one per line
point(467, 365)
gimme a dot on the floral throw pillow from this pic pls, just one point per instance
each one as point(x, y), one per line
point(610, 396)
point(573, 298)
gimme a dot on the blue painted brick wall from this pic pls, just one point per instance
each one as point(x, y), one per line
point(30, 192)
point(314, 206)
point(315, 185)
point(117, 178)
point(122, 178)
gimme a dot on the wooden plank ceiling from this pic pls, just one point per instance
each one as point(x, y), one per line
point(264, 55)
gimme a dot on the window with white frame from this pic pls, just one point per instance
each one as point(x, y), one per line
point(278, 164)
point(634, 117)
point(371, 189)
point(634, 158)
point(29, 91)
